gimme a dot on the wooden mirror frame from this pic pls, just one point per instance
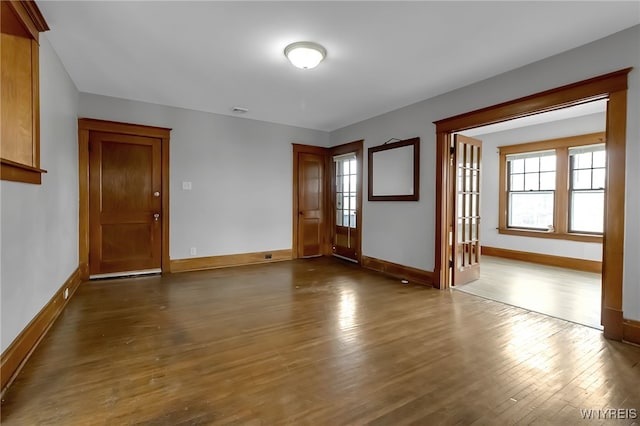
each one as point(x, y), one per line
point(415, 142)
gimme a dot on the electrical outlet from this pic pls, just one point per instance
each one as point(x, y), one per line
point(66, 293)
point(267, 256)
point(192, 251)
point(186, 186)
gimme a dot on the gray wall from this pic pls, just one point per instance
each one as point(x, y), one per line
point(403, 232)
point(40, 222)
point(490, 190)
point(241, 173)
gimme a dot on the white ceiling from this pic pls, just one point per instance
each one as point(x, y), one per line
point(588, 108)
point(212, 56)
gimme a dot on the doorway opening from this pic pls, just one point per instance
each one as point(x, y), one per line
point(612, 87)
point(327, 201)
point(542, 212)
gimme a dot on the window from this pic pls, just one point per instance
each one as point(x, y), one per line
point(554, 188)
point(346, 179)
point(532, 184)
point(586, 186)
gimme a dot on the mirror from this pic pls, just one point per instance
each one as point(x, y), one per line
point(394, 171)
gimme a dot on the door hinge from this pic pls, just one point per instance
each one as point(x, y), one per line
point(452, 150)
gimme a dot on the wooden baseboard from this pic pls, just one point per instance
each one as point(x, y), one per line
point(213, 262)
point(396, 270)
point(631, 331)
point(545, 259)
point(15, 356)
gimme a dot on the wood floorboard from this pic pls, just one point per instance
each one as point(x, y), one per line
point(312, 342)
point(562, 293)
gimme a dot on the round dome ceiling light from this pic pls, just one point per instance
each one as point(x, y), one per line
point(305, 54)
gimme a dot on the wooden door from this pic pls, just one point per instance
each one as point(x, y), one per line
point(346, 189)
point(467, 155)
point(310, 204)
point(125, 221)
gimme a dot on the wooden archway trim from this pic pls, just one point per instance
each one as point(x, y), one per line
point(612, 86)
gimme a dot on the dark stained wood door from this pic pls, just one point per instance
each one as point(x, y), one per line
point(467, 156)
point(310, 204)
point(125, 220)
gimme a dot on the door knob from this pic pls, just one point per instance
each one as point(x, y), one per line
point(156, 194)
point(156, 216)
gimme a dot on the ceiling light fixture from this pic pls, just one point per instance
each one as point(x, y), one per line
point(305, 54)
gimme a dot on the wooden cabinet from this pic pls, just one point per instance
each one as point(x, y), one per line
point(21, 23)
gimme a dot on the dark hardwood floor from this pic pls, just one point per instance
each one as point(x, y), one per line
point(318, 342)
point(562, 293)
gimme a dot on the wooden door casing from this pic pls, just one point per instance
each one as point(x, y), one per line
point(125, 206)
point(467, 157)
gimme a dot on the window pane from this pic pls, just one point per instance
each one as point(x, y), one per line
point(547, 181)
point(517, 183)
point(587, 211)
point(598, 178)
point(582, 161)
point(531, 182)
point(339, 217)
point(548, 164)
point(517, 166)
point(599, 159)
point(532, 164)
point(531, 210)
point(581, 179)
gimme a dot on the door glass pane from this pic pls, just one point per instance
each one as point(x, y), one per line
point(345, 167)
point(345, 202)
point(352, 219)
point(345, 185)
point(474, 229)
point(352, 169)
point(339, 201)
point(352, 183)
point(339, 217)
point(352, 202)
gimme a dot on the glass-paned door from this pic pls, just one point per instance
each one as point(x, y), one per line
point(346, 233)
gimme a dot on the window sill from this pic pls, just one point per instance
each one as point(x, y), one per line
point(587, 238)
point(16, 172)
